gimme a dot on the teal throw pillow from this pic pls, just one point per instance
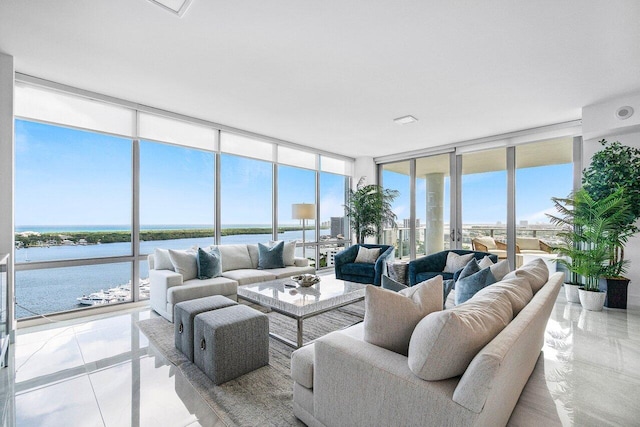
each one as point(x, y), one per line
point(209, 263)
point(270, 257)
point(392, 285)
point(471, 280)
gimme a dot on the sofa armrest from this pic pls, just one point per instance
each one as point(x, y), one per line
point(359, 384)
point(159, 282)
point(381, 264)
point(433, 263)
point(301, 262)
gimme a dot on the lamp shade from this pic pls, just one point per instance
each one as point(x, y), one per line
point(303, 211)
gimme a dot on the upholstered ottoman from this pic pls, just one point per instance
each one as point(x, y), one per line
point(183, 315)
point(230, 342)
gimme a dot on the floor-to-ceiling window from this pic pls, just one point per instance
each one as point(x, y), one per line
point(543, 170)
point(397, 176)
point(484, 196)
point(72, 202)
point(100, 185)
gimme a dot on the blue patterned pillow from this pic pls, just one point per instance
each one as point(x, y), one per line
point(270, 257)
point(209, 263)
point(392, 285)
point(471, 280)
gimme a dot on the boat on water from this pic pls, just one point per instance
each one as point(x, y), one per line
point(120, 293)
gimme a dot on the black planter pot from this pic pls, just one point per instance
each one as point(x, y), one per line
point(616, 289)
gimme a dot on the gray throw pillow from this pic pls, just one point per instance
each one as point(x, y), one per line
point(367, 256)
point(270, 257)
point(468, 284)
point(392, 285)
point(209, 263)
point(455, 262)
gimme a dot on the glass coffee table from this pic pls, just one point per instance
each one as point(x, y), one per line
point(284, 296)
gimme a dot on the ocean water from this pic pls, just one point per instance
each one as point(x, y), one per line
point(57, 289)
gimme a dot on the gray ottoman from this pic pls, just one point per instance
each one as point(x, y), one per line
point(230, 342)
point(183, 314)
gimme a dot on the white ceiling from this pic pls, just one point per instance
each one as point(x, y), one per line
point(334, 74)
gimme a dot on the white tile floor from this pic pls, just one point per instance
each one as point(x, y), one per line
point(101, 371)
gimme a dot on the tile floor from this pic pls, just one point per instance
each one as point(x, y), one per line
point(101, 371)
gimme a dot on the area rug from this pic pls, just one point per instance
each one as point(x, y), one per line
point(262, 397)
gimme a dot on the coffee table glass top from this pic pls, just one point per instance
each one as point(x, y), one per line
point(299, 301)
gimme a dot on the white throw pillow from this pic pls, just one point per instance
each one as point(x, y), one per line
point(535, 271)
point(455, 262)
point(185, 263)
point(289, 252)
point(487, 241)
point(485, 262)
point(390, 317)
point(444, 343)
point(235, 257)
point(367, 256)
point(161, 260)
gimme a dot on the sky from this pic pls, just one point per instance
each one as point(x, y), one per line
point(71, 177)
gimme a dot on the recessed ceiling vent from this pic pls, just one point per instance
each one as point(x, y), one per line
point(405, 120)
point(177, 7)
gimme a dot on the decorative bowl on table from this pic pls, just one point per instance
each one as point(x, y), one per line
point(306, 280)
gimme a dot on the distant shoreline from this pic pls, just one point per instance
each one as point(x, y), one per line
point(26, 239)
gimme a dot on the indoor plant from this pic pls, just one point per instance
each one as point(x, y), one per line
point(369, 208)
point(590, 233)
point(616, 166)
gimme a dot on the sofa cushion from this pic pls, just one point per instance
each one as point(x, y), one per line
point(392, 285)
point(270, 256)
point(390, 317)
point(360, 269)
point(289, 253)
point(195, 288)
point(455, 262)
point(366, 255)
point(471, 280)
point(184, 262)
point(487, 241)
point(444, 343)
point(529, 243)
point(517, 289)
point(208, 263)
point(161, 259)
point(235, 257)
point(535, 271)
point(246, 276)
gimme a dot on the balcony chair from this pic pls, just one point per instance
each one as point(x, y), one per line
point(532, 245)
point(488, 244)
point(347, 269)
point(433, 265)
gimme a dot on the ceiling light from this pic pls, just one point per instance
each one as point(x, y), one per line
point(405, 119)
point(179, 7)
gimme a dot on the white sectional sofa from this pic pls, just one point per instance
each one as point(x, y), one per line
point(342, 380)
point(239, 267)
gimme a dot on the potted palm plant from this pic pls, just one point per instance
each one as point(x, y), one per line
point(590, 234)
point(616, 166)
point(369, 208)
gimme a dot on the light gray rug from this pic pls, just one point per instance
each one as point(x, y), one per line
point(262, 397)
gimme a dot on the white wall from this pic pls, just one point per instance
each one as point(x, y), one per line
point(364, 166)
point(599, 121)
